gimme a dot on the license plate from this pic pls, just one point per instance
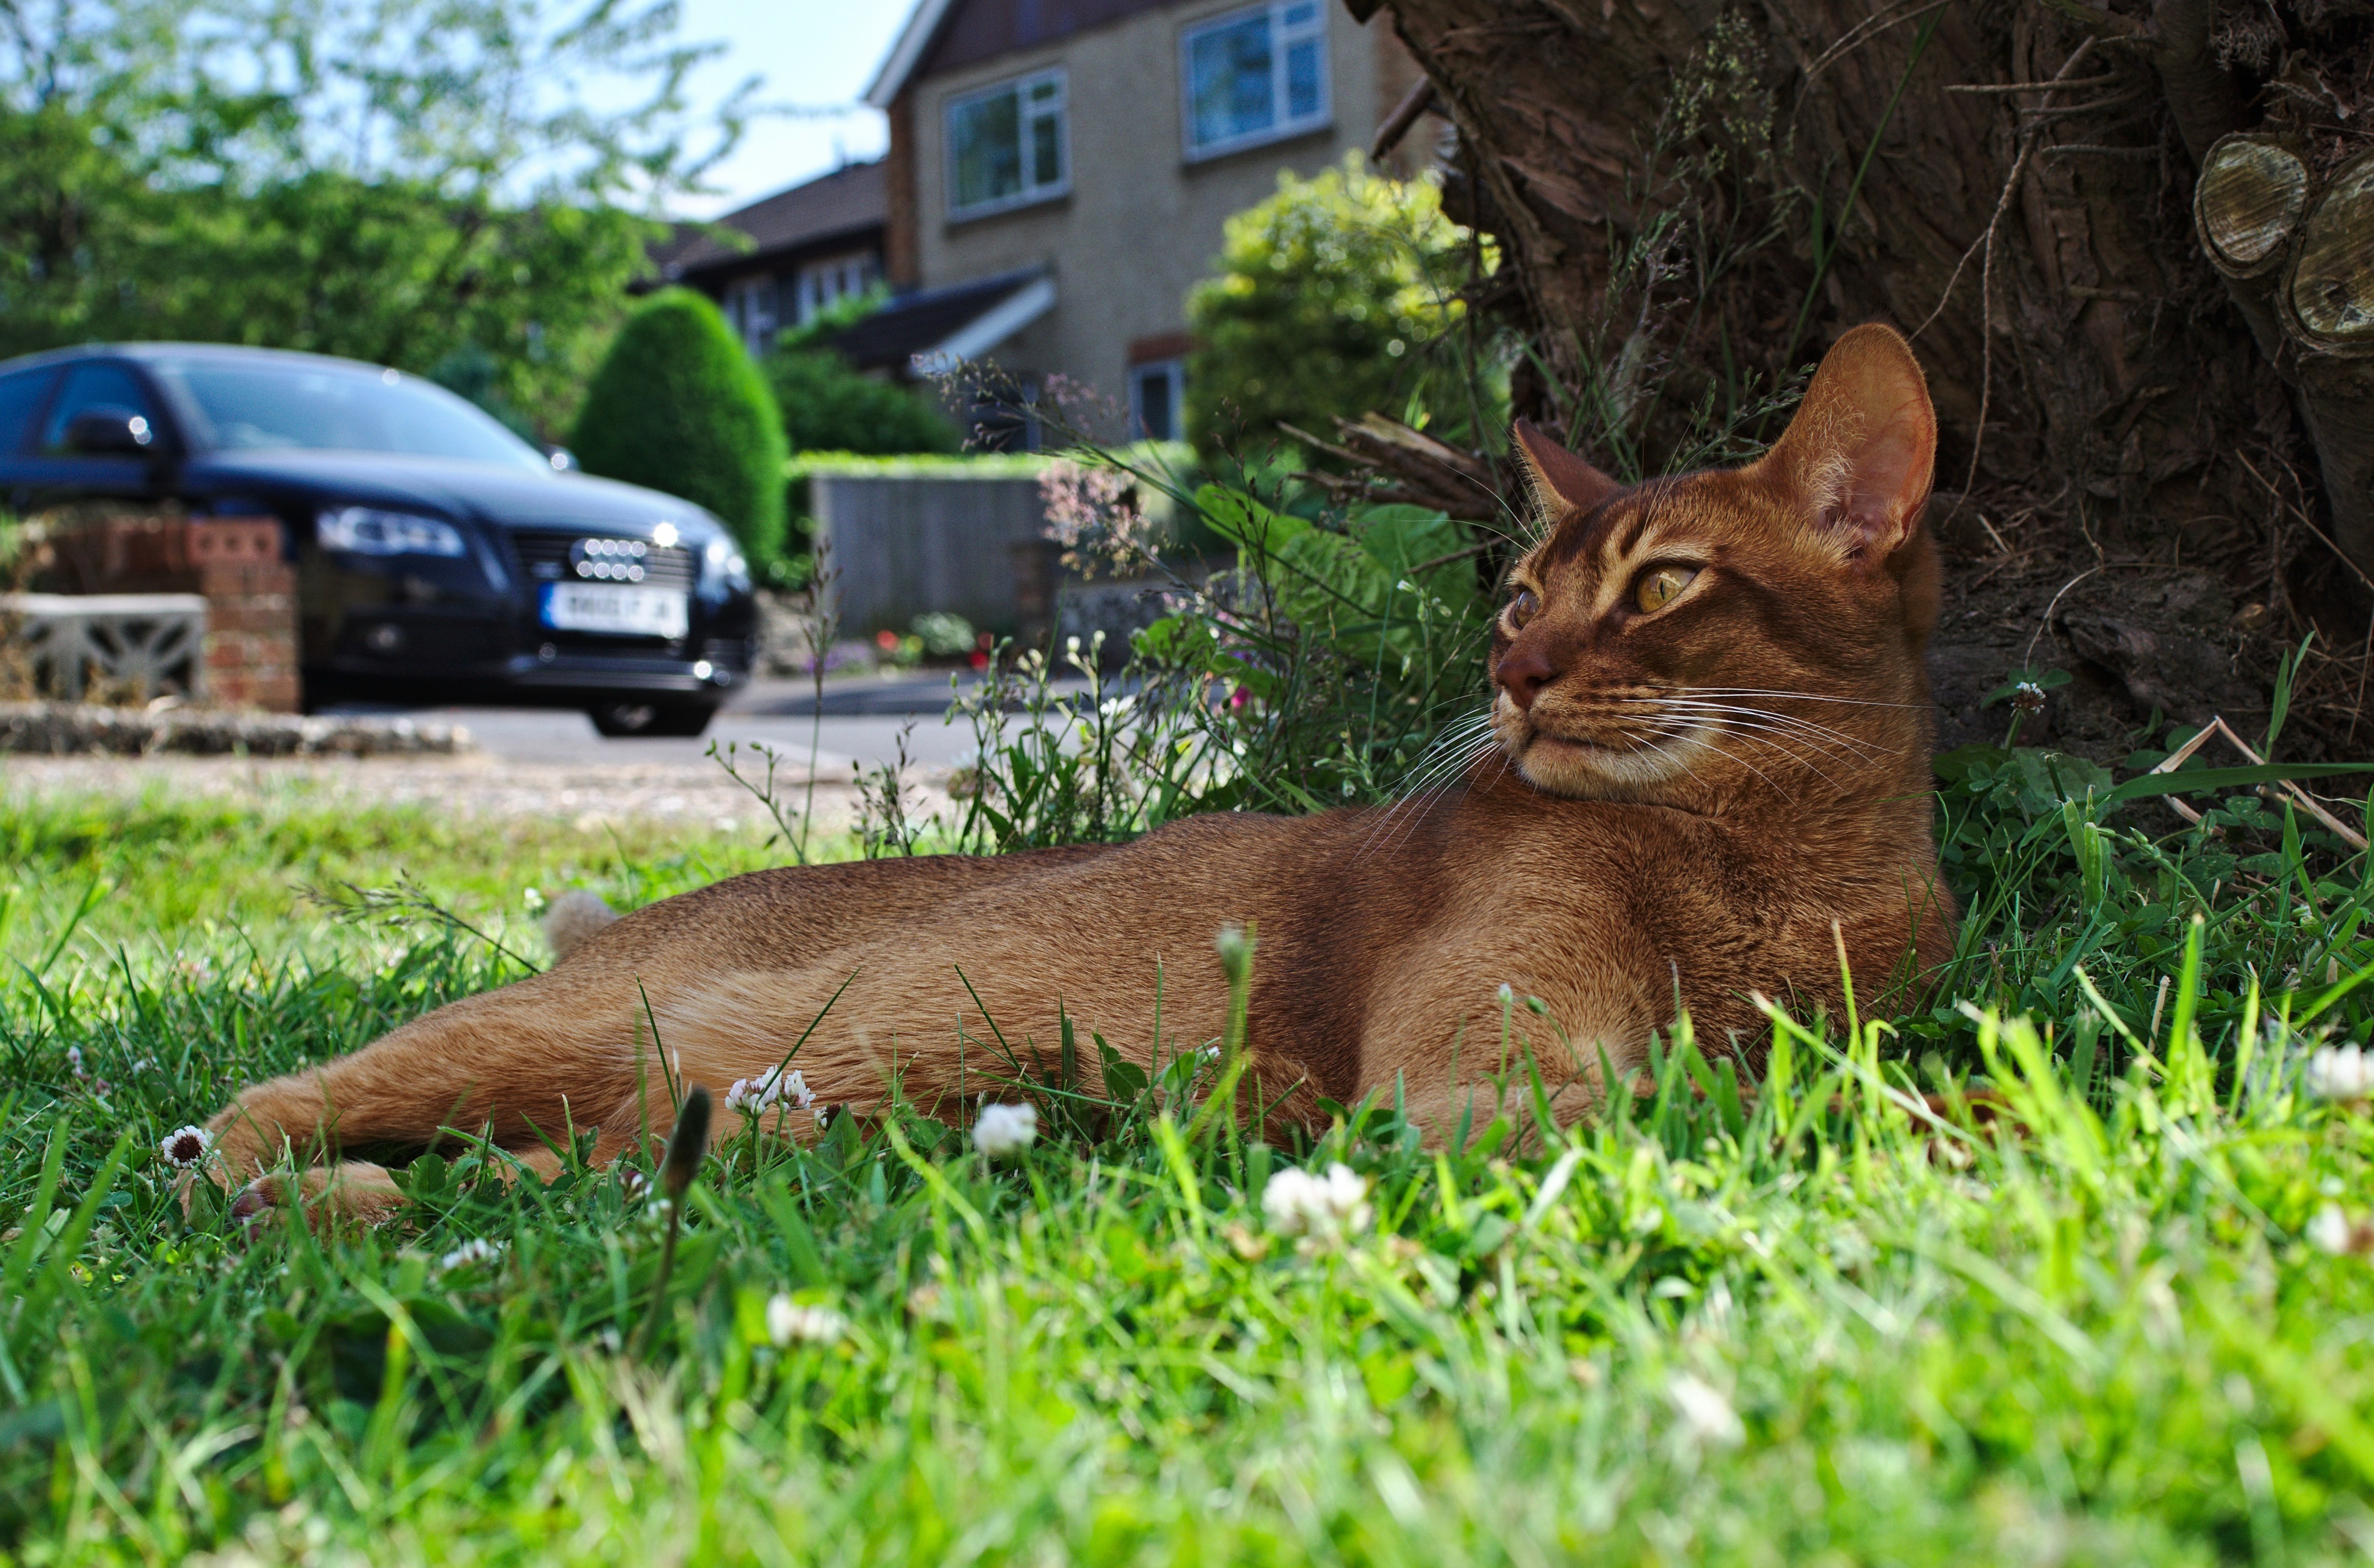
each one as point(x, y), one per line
point(601, 607)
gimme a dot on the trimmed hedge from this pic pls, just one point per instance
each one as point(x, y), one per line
point(677, 405)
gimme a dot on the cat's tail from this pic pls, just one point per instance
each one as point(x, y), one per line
point(575, 918)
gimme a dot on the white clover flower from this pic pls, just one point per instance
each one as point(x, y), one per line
point(2340, 1072)
point(2330, 1231)
point(74, 1060)
point(1299, 1203)
point(756, 1096)
point(1000, 1130)
point(1707, 1417)
point(476, 1250)
point(186, 1149)
point(788, 1320)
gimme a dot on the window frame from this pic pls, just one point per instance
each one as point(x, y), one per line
point(1173, 371)
point(1030, 194)
point(742, 312)
point(1280, 128)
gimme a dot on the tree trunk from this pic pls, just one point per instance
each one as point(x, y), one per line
point(2143, 399)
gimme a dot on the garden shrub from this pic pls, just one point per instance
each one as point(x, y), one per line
point(677, 405)
point(830, 404)
point(1327, 295)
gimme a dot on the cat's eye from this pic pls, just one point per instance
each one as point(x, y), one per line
point(1523, 609)
point(1659, 584)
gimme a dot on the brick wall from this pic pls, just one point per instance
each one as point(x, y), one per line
point(251, 655)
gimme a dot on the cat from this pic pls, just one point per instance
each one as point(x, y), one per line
point(1707, 778)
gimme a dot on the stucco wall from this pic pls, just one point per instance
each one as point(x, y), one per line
point(1140, 223)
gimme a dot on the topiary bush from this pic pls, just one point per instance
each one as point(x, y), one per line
point(676, 405)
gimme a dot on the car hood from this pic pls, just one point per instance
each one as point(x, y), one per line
point(485, 493)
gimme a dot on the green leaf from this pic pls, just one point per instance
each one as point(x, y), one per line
point(2203, 779)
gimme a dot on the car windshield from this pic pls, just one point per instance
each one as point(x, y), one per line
point(237, 406)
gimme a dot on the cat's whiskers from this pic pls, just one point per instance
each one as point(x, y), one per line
point(1802, 697)
point(1781, 737)
point(1834, 742)
point(1792, 721)
point(1461, 745)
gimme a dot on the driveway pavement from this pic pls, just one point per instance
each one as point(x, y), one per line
point(859, 726)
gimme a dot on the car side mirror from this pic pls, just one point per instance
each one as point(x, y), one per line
point(112, 429)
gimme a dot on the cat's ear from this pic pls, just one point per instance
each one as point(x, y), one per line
point(1863, 446)
point(1562, 482)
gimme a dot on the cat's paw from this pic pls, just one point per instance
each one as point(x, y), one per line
point(353, 1195)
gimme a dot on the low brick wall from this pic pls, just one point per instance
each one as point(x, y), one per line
point(250, 658)
point(251, 593)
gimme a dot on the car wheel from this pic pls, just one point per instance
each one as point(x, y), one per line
point(651, 719)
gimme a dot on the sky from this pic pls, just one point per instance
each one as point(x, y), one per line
point(813, 53)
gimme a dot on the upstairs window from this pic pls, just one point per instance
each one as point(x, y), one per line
point(1254, 76)
point(1007, 145)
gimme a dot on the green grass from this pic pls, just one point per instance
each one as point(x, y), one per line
point(1808, 1326)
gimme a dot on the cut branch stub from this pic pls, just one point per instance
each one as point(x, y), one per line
point(2332, 293)
point(2250, 196)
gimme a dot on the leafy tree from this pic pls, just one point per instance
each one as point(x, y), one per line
point(1329, 296)
point(398, 181)
point(677, 405)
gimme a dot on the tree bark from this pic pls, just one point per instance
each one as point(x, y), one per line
point(1691, 198)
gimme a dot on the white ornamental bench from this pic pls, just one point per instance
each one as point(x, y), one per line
point(147, 644)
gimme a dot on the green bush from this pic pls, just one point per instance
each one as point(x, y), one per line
point(832, 405)
point(679, 406)
point(1328, 295)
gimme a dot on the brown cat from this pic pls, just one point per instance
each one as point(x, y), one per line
point(1711, 766)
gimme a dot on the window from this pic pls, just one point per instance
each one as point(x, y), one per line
point(750, 308)
point(20, 399)
point(1007, 145)
point(92, 386)
point(825, 284)
point(1156, 394)
point(1254, 76)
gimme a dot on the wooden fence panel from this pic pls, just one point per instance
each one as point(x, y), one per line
point(901, 545)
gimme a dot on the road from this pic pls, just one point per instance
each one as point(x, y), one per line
point(862, 718)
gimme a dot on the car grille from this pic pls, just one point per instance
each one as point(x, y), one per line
point(572, 557)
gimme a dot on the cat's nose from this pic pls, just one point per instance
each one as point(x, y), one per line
point(1523, 673)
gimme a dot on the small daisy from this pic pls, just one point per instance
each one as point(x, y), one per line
point(1706, 1416)
point(1001, 1130)
point(2340, 1072)
point(478, 1250)
point(1299, 1203)
point(756, 1096)
point(788, 1320)
point(186, 1147)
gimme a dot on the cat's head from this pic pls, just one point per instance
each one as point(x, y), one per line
point(1689, 636)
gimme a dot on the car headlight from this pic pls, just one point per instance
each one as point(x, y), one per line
point(724, 560)
point(364, 530)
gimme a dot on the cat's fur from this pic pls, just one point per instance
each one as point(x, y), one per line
point(1693, 803)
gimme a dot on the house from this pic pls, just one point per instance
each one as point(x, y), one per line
point(1060, 170)
point(802, 249)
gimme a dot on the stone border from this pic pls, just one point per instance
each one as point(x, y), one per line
point(65, 729)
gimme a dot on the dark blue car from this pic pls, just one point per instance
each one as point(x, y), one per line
point(439, 557)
